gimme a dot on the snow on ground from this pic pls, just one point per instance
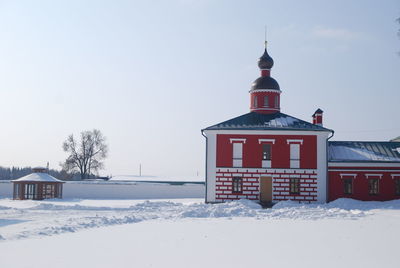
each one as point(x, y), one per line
point(25, 219)
point(189, 233)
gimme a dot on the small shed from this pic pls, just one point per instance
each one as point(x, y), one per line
point(37, 186)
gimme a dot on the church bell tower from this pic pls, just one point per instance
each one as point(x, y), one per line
point(265, 92)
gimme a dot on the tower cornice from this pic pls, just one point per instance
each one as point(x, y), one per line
point(265, 90)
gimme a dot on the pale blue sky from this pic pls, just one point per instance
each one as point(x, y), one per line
point(151, 74)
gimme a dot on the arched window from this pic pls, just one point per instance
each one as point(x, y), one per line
point(266, 102)
point(255, 102)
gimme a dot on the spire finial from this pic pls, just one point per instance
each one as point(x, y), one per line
point(265, 37)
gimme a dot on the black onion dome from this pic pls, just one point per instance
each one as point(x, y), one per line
point(265, 82)
point(265, 61)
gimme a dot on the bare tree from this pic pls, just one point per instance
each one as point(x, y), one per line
point(85, 155)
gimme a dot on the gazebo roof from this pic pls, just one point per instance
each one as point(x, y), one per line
point(37, 177)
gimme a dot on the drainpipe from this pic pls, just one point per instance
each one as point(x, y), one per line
point(202, 133)
point(327, 161)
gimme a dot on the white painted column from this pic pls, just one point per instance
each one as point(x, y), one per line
point(322, 171)
point(211, 166)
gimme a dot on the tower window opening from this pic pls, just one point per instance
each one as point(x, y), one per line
point(255, 101)
point(276, 101)
point(266, 102)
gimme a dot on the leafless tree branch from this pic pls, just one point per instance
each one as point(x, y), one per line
point(86, 155)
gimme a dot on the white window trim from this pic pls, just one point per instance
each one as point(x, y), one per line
point(266, 141)
point(295, 141)
point(394, 176)
point(368, 176)
point(237, 140)
point(266, 163)
point(294, 163)
point(237, 163)
point(342, 175)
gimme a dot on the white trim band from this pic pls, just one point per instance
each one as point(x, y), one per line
point(265, 90)
point(364, 170)
point(360, 164)
point(265, 109)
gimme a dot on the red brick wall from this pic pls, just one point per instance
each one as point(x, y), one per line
point(280, 184)
point(360, 183)
point(252, 150)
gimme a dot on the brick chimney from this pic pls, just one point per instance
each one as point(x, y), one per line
point(317, 117)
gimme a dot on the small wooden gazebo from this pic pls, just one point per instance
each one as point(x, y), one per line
point(37, 186)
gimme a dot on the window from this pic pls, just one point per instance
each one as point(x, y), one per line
point(237, 154)
point(294, 186)
point(348, 186)
point(255, 102)
point(373, 186)
point(237, 185)
point(397, 186)
point(266, 102)
point(30, 191)
point(48, 191)
point(266, 152)
point(294, 155)
point(276, 101)
point(16, 190)
point(266, 156)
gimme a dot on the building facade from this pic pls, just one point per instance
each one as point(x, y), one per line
point(270, 156)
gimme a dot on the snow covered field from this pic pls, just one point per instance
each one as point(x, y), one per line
point(189, 233)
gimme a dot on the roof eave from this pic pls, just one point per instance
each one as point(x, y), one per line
point(363, 161)
point(284, 129)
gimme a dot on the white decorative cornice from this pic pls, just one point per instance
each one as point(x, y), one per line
point(237, 140)
point(343, 175)
point(295, 141)
point(266, 141)
point(265, 90)
point(373, 176)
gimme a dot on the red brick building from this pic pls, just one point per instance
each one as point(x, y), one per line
point(270, 156)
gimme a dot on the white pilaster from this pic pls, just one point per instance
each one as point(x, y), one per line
point(322, 166)
point(211, 165)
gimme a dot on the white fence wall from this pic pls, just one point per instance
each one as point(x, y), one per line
point(121, 190)
point(6, 189)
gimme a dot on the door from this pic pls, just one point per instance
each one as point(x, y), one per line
point(265, 189)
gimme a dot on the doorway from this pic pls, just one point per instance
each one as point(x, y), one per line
point(266, 189)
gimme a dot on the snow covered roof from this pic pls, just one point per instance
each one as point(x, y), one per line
point(396, 139)
point(37, 177)
point(259, 121)
point(364, 151)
